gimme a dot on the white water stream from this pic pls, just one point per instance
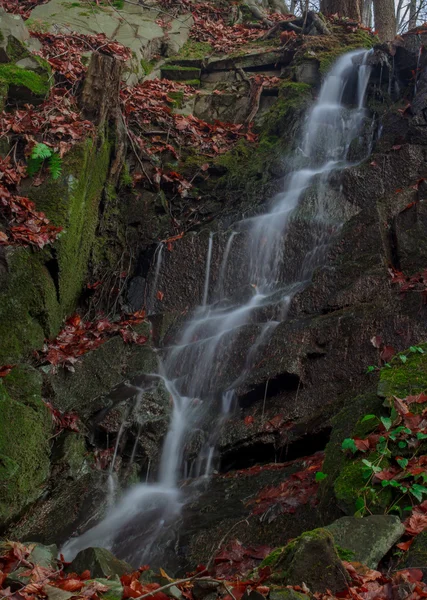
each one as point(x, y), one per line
point(191, 368)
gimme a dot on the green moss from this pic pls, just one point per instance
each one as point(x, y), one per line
point(345, 554)
point(29, 307)
point(126, 179)
point(72, 202)
point(169, 67)
point(193, 49)
point(25, 428)
point(193, 82)
point(178, 98)
point(272, 559)
point(13, 75)
point(147, 66)
point(403, 379)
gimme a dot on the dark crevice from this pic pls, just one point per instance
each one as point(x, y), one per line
point(284, 382)
point(258, 453)
point(52, 266)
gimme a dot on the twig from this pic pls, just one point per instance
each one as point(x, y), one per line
point(170, 584)
point(134, 149)
point(211, 559)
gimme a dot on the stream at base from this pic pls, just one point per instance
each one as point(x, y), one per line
point(134, 527)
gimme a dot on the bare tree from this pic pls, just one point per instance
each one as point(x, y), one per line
point(352, 9)
point(385, 19)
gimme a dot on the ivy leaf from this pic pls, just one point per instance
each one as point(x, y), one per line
point(421, 436)
point(349, 444)
point(403, 462)
point(386, 421)
point(320, 476)
point(368, 418)
point(403, 358)
point(402, 444)
point(418, 491)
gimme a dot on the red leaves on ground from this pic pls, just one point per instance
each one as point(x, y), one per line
point(249, 420)
point(417, 522)
point(5, 370)
point(64, 52)
point(21, 7)
point(298, 489)
point(133, 588)
point(26, 225)
point(79, 337)
point(149, 104)
point(236, 559)
point(63, 420)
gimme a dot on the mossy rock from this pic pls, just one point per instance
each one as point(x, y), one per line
point(25, 429)
point(100, 562)
point(72, 202)
point(404, 378)
point(24, 86)
point(311, 559)
point(29, 307)
point(344, 475)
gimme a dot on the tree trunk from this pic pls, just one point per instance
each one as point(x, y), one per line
point(385, 19)
point(99, 100)
point(413, 14)
point(367, 13)
point(343, 8)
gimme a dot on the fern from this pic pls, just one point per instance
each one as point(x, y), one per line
point(41, 151)
point(39, 155)
point(34, 165)
point(55, 165)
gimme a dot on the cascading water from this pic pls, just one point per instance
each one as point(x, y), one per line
point(190, 368)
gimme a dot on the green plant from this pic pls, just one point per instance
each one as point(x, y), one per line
point(39, 155)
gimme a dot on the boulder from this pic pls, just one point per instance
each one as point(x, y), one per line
point(368, 539)
point(311, 559)
point(100, 563)
point(13, 35)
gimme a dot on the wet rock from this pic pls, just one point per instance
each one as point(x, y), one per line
point(254, 59)
point(308, 71)
point(311, 559)
point(368, 539)
point(100, 563)
point(70, 506)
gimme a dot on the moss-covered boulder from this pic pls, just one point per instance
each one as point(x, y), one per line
point(25, 429)
point(23, 85)
point(311, 559)
point(367, 540)
point(100, 563)
point(345, 481)
point(405, 378)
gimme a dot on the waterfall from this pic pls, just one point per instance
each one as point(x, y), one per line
point(191, 367)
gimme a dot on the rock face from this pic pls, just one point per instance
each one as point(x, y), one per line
point(368, 539)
